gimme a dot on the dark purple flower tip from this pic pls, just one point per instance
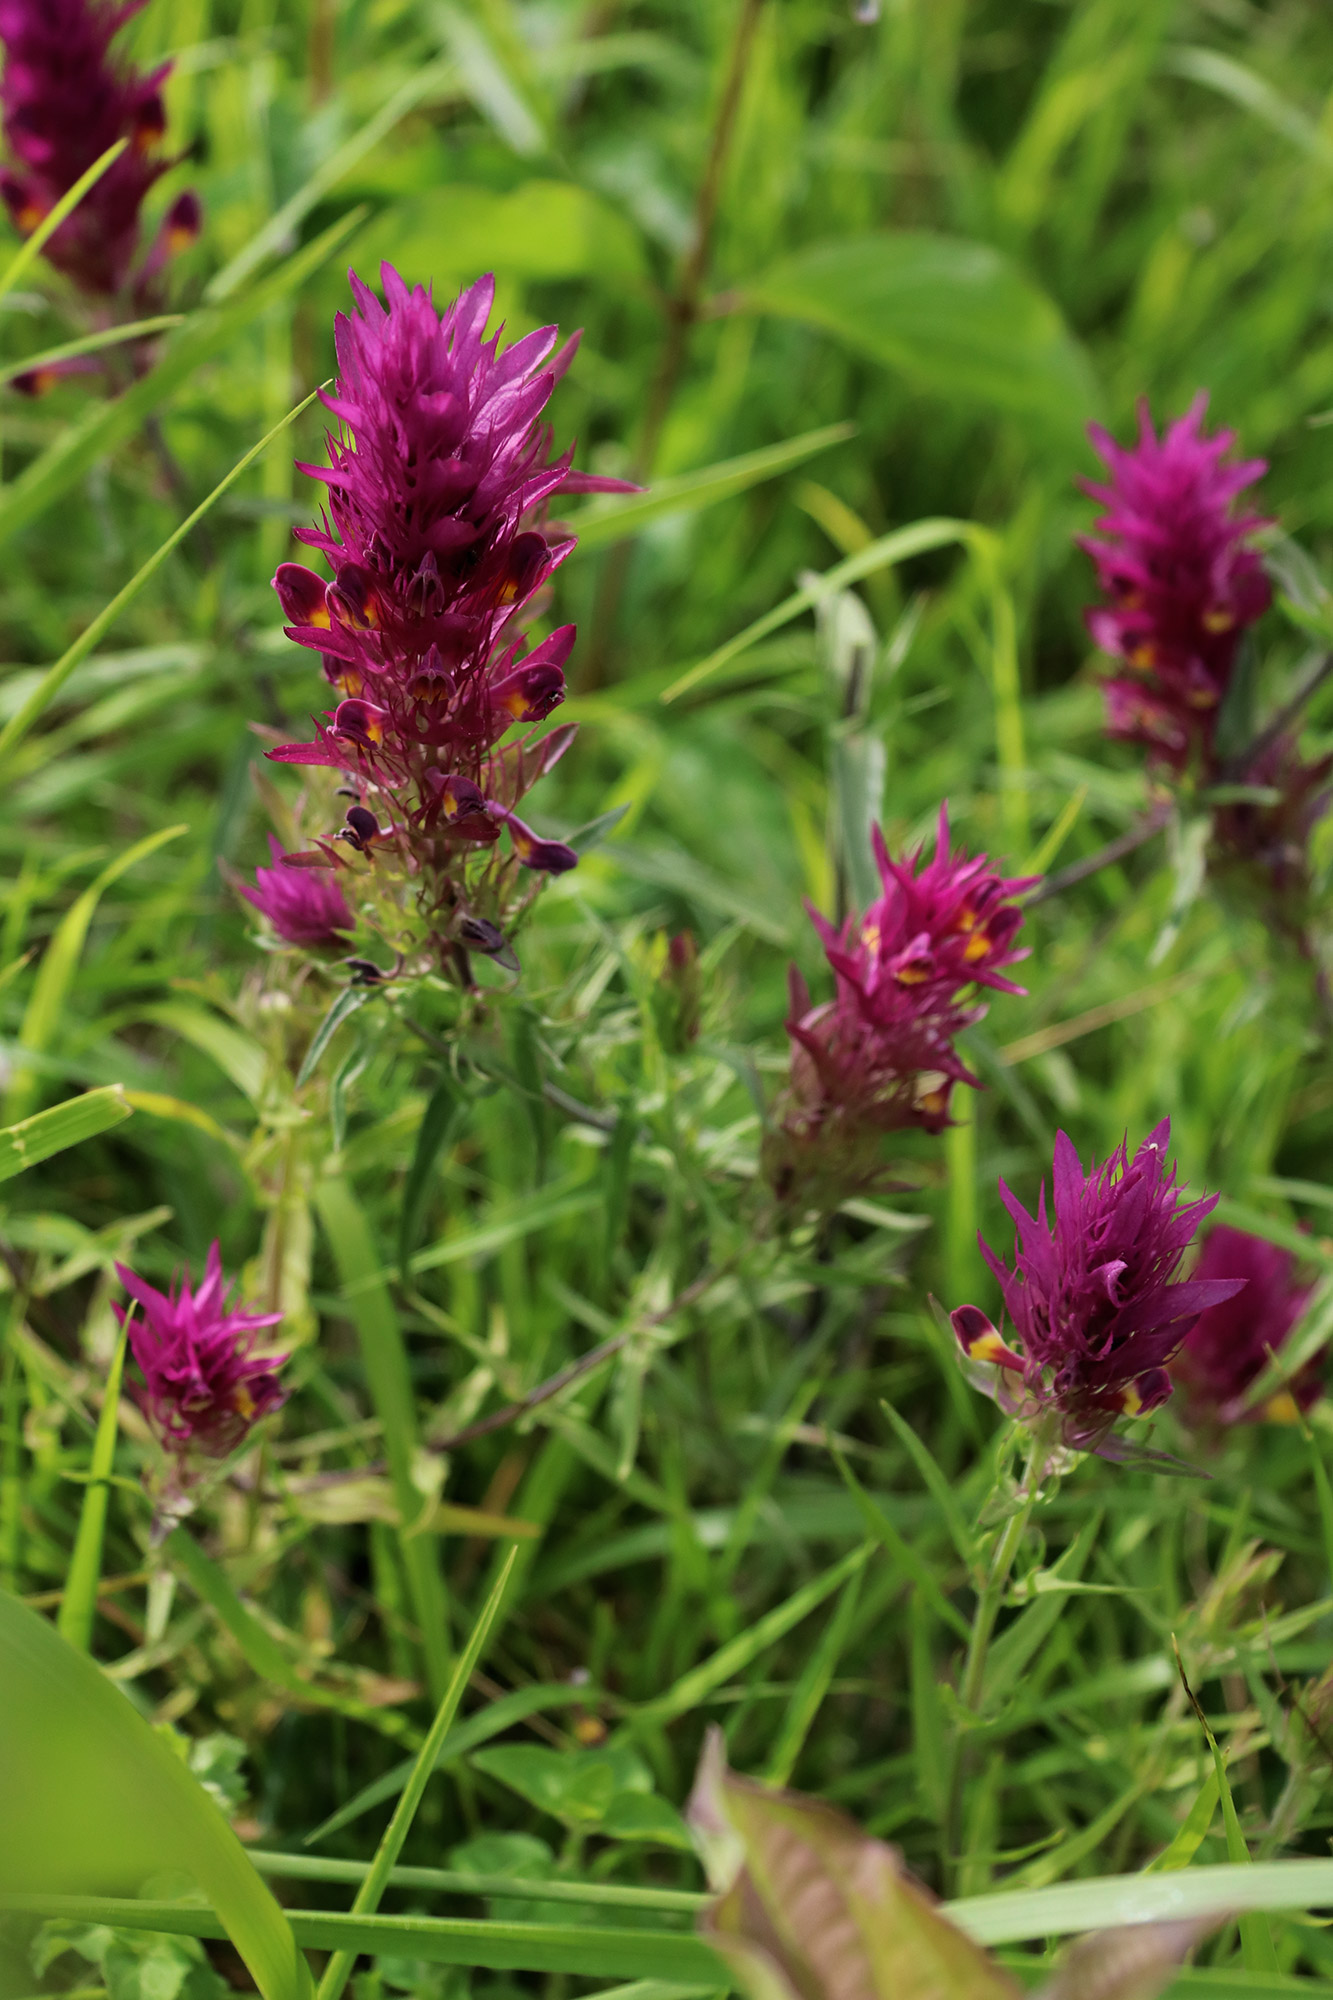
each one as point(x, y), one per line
point(183, 222)
point(362, 722)
point(980, 1341)
point(530, 693)
point(301, 595)
point(353, 598)
point(1232, 1342)
point(204, 1386)
point(548, 857)
point(303, 906)
point(1093, 1296)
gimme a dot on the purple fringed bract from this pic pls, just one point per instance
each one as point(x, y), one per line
point(305, 906)
point(65, 100)
point(1231, 1343)
point(1182, 586)
point(438, 479)
point(1093, 1295)
point(880, 1056)
point(205, 1387)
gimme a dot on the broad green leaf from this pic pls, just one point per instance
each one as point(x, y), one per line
point(37, 1138)
point(577, 1786)
point(956, 318)
point(540, 229)
point(94, 1801)
point(612, 520)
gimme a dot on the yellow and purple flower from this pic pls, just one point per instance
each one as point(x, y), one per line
point(881, 1055)
point(439, 474)
point(304, 905)
point(1094, 1299)
point(1232, 1342)
point(205, 1387)
point(1181, 583)
point(65, 100)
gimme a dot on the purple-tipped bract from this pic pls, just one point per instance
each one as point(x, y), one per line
point(439, 475)
point(65, 101)
point(1231, 1343)
point(304, 905)
point(204, 1385)
point(881, 1055)
point(1093, 1296)
point(1181, 583)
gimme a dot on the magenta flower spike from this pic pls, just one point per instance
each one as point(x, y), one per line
point(204, 1385)
point(304, 905)
point(65, 100)
point(1231, 1343)
point(440, 470)
point(1093, 1297)
point(880, 1056)
point(1180, 581)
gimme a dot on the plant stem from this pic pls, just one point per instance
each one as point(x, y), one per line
point(972, 1686)
point(79, 1603)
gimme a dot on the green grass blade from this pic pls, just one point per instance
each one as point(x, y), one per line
point(499, 1947)
point(79, 1603)
point(612, 520)
point(41, 1018)
point(93, 1796)
point(33, 245)
point(810, 1689)
point(455, 1882)
point(367, 1898)
point(1009, 1916)
point(913, 540)
point(37, 1138)
point(282, 224)
point(106, 425)
point(259, 1648)
point(695, 1686)
point(390, 1382)
point(55, 677)
point(91, 343)
point(497, 1715)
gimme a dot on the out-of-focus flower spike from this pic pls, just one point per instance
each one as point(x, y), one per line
point(303, 907)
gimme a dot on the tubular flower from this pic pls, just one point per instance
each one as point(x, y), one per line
point(1180, 582)
point(304, 906)
point(880, 1056)
point(205, 1387)
point(1093, 1296)
point(65, 101)
point(1231, 1343)
point(438, 477)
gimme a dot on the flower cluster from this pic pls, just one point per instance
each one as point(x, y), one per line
point(204, 1385)
point(304, 906)
point(1093, 1296)
point(1233, 1341)
point(438, 479)
point(881, 1056)
point(1181, 583)
point(65, 102)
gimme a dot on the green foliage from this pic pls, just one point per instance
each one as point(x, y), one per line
point(526, 1273)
